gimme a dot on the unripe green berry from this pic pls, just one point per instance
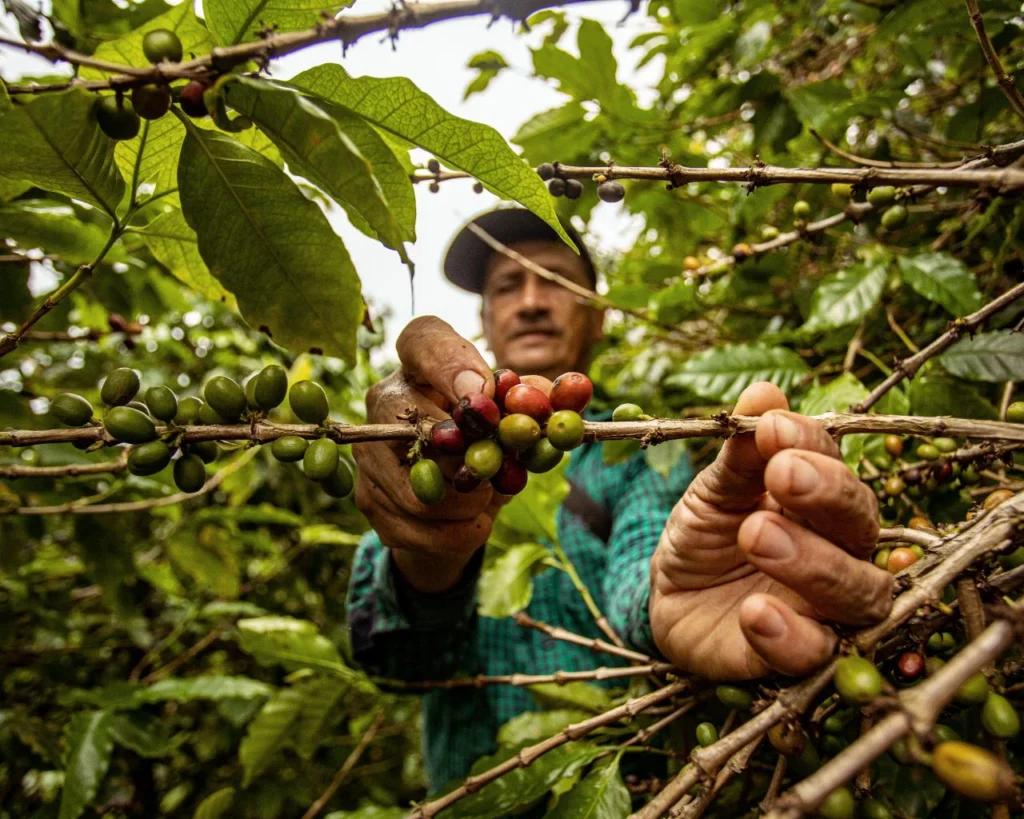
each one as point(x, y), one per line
point(71, 409)
point(162, 402)
point(1015, 412)
point(801, 209)
point(427, 482)
point(882, 195)
point(565, 430)
point(628, 412)
point(483, 459)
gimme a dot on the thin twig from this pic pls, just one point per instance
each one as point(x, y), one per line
point(114, 467)
point(593, 643)
point(520, 680)
point(901, 534)
point(195, 649)
point(346, 767)
point(1006, 82)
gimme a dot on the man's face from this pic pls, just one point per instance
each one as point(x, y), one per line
point(532, 325)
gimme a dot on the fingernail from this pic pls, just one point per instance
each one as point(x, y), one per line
point(772, 542)
point(468, 381)
point(803, 477)
point(768, 622)
point(786, 432)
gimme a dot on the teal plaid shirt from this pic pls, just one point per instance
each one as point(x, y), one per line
point(401, 634)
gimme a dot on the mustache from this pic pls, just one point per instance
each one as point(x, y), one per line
point(526, 329)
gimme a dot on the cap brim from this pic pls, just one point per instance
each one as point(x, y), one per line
point(466, 260)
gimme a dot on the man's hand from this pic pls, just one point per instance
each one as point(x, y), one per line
point(432, 544)
point(766, 543)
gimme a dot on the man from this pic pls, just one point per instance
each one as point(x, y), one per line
point(727, 574)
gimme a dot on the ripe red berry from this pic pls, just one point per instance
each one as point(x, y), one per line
point(944, 472)
point(446, 437)
point(511, 478)
point(463, 480)
point(910, 665)
point(571, 391)
point(529, 401)
point(900, 559)
point(504, 380)
point(477, 416)
point(191, 99)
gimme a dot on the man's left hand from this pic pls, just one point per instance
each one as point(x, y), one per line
point(768, 543)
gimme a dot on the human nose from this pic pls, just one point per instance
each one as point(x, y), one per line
point(534, 294)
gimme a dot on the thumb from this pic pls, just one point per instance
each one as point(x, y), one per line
point(736, 479)
point(433, 353)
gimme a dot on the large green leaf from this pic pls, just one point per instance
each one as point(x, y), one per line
point(55, 143)
point(722, 373)
point(146, 734)
point(289, 642)
point(557, 132)
point(237, 21)
point(533, 726)
point(838, 395)
point(506, 586)
point(270, 246)
point(943, 279)
point(845, 297)
point(175, 246)
point(932, 395)
point(268, 732)
point(53, 227)
point(315, 147)
point(320, 695)
point(398, 106)
point(601, 795)
point(215, 805)
point(997, 356)
point(89, 748)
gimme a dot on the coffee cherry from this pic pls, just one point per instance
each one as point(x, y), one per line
point(208, 451)
point(528, 400)
point(996, 498)
point(140, 406)
point(707, 734)
point(225, 397)
point(162, 44)
point(801, 209)
point(504, 380)
point(628, 412)
point(1015, 412)
point(463, 480)
point(573, 189)
point(844, 190)
point(927, 452)
point(900, 558)
point(320, 460)
point(611, 191)
point(838, 805)
point(309, 402)
point(972, 771)
point(511, 478)
point(571, 391)
point(556, 187)
point(188, 411)
point(542, 457)
point(427, 482)
point(944, 444)
point(120, 387)
point(483, 459)
point(732, 696)
point(943, 471)
point(741, 251)
point(434, 187)
point(71, 409)
point(447, 438)
point(191, 99)
point(894, 486)
point(943, 733)
point(895, 217)
point(769, 232)
point(477, 415)
point(873, 809)
point(149, 458)
point(340, 483)
point(565, 430)
point(973, 691)
point(546, 171)
point(129, 425)
point(162, 402)
point(434, 166)
point(882, 195)
point(691, 263)
point(883, 460)
point(910, 665)
point(189, 473)
point(881, 558)
point(270, 386)
point(117, 118)
point(857, 680)
point(912, 477)
point(289, 448)
point(209, 416)
point(478, 187)
point(970, 475)
point(151, 101)
point(787, 737)
point(999, 718)
point(921, 523)
point(894, 445)
point(518, 432)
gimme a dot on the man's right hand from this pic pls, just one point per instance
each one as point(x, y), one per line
point(432, 544)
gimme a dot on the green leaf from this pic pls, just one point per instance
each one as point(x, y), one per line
point(557, 132)
point(533, 726)
point(268, 732)
point(489, 64)
point(530, 515)
point(205, 688)
point(54, 228)
point(55, 143)
point(327, 534)
point(933, 395)
point(601, 795)
point(838, 396)
point(319, 698)
point(506, 586)
point(398, 106)
point(845, 297)
point(943, 279)
point(368, 812)
point(997, 356)
point(315, 147)
point(575, 695)
point(215, 805)
point(722, 373)
point(289, 642)
point(270, 246)
point(238, 21)
point(89, 748)
point(146, 734)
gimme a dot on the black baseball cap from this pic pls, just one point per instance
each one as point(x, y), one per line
point(467, 255)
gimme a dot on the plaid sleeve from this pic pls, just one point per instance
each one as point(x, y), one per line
point(399, 632)
point(638, 516)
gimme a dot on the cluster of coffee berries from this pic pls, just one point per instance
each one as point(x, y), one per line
point(894, 215)
point(119, 117)
point(131, 421)
point(608, 190)
point(522, 429)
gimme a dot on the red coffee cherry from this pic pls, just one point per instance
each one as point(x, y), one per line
point(191, 99)
point(504, 380)
point(463, 480)
point(910, 665)
point(446, 437)
point(900, 559)
point(571, 391)
point(477, 416)
point(529, 401)
point(511, 478)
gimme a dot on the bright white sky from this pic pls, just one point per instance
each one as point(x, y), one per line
point(435, 58)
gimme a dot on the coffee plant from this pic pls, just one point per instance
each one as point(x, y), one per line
point(830, 200)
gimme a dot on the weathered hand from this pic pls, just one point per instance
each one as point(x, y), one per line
point(432, 543)
point(766, 543)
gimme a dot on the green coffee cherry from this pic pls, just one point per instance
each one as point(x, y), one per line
point(427, 482)
point(999, 717)
point(565, 430)
point(707, 734)
point(189, 473)
point(225, 397)
point(801, 209)
point(882, 195)
point(321, 459)
point(857, 680)
point(943, 733)
point(149, 458)
point(340, 483)
point(162, 44)
point(769, 232)
point(944, 444)
point(249, 387)
point(973, 691)
point(873, 809)
point(188, 411)
point(895, 217)
point(129, 425)
point(162, 403)
point(483, 459)
point(209, 416)
point(843, 190)
point(927, 452)
point(838, 805)
point(117, 118)
point(309, 402)
point(732, 696)
point(208, 451)
point(71, 409)
point(628, 412)
point(119, 387)
point(542, 457)
point(289, 449)
point(1015, 412)
point(271, 386)
point(518, 432)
